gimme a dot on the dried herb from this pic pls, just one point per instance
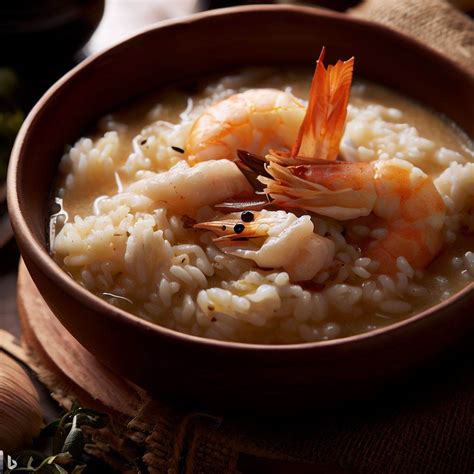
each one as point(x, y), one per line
point(67, 456)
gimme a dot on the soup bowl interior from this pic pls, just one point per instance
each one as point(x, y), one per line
point(162, 360)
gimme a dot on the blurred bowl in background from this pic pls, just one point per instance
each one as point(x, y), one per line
point(31, 30)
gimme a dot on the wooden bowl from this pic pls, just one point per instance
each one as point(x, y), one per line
point(168, 362)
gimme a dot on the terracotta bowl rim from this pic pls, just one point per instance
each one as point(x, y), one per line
point(41, 258)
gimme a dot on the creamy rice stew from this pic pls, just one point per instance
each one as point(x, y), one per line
point(130, 194)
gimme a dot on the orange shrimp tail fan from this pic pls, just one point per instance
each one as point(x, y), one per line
point(323, 125)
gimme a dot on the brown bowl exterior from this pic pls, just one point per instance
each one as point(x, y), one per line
point(162, 360)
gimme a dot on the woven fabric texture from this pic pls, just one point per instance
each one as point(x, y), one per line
point(436, 23)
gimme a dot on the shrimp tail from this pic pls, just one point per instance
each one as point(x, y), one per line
point(323, 125)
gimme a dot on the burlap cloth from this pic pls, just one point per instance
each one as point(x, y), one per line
point(424, 425)
point(436, 23)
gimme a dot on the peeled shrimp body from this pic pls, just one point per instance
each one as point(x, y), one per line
point(255, 120)
point(288, 242)
point(184, 189)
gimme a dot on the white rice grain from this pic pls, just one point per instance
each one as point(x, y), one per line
point(361, 272)
point(405, 267)
point(469, 261)
point(379, 234)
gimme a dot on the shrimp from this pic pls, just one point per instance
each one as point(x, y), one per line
point(274, 239)
point(393, 198)
point(255, 120)
point(183, 189)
